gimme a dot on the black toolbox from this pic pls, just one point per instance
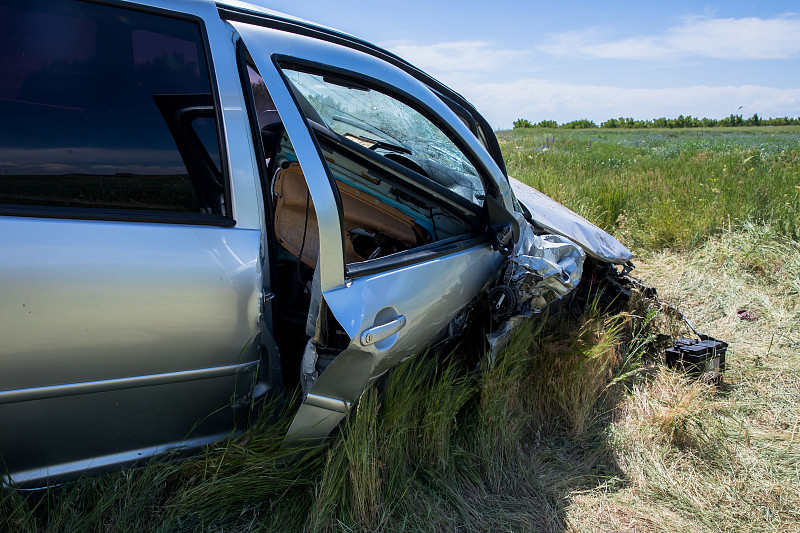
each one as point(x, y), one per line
point(704, 357)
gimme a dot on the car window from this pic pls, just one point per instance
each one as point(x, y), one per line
point(382, 212)
point(106, 108)
point(205, 128)
point(389, 127)
point(402, 183)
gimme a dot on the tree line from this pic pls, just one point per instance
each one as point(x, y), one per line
point(680, 122)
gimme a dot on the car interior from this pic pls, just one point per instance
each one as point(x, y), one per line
point(391, 204)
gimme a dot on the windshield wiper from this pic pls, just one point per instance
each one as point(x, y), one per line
point(364, 126)
point(391, 148)
point(347, 84)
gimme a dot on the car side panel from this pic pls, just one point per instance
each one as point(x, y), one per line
point(87, 306)
point(93, 300)
point(72, 436)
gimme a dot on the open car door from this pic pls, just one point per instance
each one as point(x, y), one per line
point(362, 128)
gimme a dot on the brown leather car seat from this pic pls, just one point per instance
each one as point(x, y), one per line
point(364, 215)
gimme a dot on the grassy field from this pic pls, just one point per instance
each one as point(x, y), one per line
point(659, 188)
point(578, 427)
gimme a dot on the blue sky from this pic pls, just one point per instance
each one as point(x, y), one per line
point(577, 59)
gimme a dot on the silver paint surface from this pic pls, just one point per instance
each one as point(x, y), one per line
point(116, 303)
point(122, 335)
point(428, 294)
point(91, 387)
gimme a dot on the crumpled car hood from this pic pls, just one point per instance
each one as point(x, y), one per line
point(555, 218)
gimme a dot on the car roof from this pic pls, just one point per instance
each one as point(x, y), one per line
point(257, 8)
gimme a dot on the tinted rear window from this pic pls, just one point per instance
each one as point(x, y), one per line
point(102, 107)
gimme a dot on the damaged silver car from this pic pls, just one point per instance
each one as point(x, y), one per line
point(206, 204)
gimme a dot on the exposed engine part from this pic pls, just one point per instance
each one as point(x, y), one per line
point(553, 267)
point(548, 270)
point(605, 287)
point(502, 301)
point(543, 269)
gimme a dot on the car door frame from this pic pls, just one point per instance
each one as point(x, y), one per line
point(465, 268)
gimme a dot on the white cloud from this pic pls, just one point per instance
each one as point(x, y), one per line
point(459, 57)
point(721, 38)
point(475, 68)
point(535, 100)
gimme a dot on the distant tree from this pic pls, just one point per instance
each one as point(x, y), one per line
point(732, 121)
point(755, 120)
point(688, 121)
point(660, 122)
point(579, 124)
point(525, 123)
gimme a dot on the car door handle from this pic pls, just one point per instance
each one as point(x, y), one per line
point(378, 333)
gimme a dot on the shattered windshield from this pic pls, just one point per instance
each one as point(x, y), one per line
point(389, 127)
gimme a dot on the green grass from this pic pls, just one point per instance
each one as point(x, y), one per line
point(665, 188)
point(577, 426)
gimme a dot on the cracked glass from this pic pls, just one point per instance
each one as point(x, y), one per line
point(388, 127)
